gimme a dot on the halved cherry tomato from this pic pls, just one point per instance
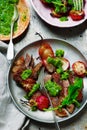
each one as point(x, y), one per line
point(77, 15)
point(45, 51)
point(79, 68)
point(42, 102)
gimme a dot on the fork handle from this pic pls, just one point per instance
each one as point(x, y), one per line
point(56, 123)
point(57, 126)
point(10, 50)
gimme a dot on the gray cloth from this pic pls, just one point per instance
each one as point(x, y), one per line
point(10, 117)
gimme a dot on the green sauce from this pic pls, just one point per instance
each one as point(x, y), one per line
point(26, 73)
point(6, 13)
point(53, 88)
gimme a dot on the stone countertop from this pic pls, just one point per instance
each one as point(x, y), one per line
point(77, 36)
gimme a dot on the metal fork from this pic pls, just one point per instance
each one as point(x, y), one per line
point(44, 91)
point(10, 51)
point(78, 5)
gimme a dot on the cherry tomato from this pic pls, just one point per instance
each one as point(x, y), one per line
point(45, 51)
point(77, 15)
point(79, 68)
point(42, 102)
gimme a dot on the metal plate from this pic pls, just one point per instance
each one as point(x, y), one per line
point(71, 53)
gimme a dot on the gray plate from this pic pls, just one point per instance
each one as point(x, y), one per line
point(71, 53)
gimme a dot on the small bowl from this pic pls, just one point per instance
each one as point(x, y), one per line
point(23, 10)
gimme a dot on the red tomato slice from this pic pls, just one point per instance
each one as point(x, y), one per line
point(45, 51)
point(77, 15)
point(42, 102)
point(79, 68)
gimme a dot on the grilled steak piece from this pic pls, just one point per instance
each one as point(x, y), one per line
point(56, 102)
point(20, 61)
point(70, 108)
point(47, 77)
point(36, 94)
point(65, 84)
point(56, 77)
point(28, 84)
point(27, 60)
point(35, 70)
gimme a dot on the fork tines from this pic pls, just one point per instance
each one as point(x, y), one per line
point(78, 5)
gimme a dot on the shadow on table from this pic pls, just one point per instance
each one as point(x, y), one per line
point(69, 32)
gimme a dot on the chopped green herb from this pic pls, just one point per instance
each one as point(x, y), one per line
point(33, 90)
point(6, 13)
point(26, 73)
point(64, 75)
point(55, 61)
point(53, 88)
point(64, 18)
point(34, 108)
point(59, 53)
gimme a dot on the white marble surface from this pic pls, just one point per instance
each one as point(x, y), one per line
point(77, 36)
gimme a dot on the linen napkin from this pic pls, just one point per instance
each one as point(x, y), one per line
point(10, 117)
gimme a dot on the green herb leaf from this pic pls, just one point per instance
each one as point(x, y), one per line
point(53, 88)
point(55, 61)
point(26, 73)
point(59, 53)
point(64, 75)
point(73, 93)
point(33, 90)
point(64, 18)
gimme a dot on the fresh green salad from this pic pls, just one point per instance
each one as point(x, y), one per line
point(63, 81)
point(6, 13)
point(63, 8)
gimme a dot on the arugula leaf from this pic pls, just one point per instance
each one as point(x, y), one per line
point(72, 93)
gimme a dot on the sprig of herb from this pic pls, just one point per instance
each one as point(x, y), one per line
point(33, 90)
point(73, 93)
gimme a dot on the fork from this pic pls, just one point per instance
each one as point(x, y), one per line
point(10, 51)
point(78, 5)
point(44, 91)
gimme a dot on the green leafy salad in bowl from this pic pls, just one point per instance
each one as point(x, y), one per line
point(6, 13)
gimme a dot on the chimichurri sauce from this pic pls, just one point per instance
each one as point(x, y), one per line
point(6, 13)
